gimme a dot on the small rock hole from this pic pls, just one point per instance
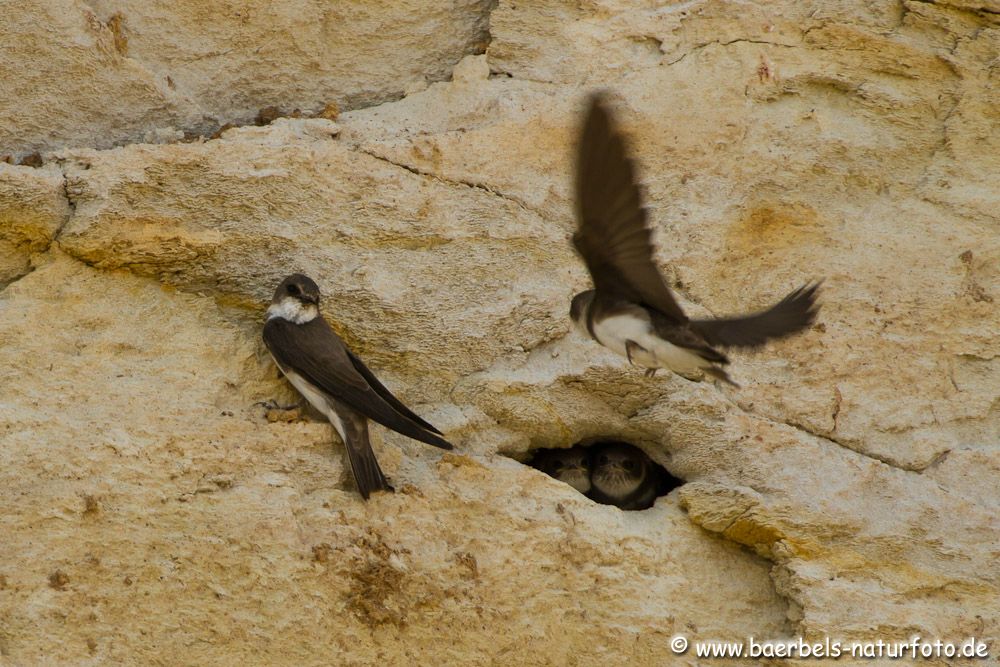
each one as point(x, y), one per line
point(609, 472)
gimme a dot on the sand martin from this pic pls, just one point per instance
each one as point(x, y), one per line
point(319, 365)
point(623, 476)
point(631, 310)
point(567, 465)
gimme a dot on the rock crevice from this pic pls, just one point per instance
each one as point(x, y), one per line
point(152, 509)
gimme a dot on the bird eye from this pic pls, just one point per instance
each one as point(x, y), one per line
point(294, 290)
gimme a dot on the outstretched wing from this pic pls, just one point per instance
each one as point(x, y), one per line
point(613, 236)
point(790, 315)
point(316, 352)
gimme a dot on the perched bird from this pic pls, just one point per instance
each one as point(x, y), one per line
point(319, 365)
point(623, 476)
point(567, 465)
point(631, 310)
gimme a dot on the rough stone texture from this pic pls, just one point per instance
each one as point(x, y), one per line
point(105, 72)
point(33, 207)
point(199, 216)
point(848, 489)
point(183, 524)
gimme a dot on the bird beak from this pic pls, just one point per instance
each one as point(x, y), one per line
point(309, 298)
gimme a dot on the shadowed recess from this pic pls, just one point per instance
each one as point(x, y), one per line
point(609, 472)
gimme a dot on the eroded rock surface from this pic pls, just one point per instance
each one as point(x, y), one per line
point(33, 208)
point(846, 490)
point(106, 72)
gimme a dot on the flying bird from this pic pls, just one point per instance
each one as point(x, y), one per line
point(321, 367)
point(631, 310)
point(623, 476)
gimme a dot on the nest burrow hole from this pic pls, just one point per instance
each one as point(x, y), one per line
point(608, 471)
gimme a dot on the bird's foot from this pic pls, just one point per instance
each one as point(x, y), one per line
point(274, 405)
point(274, 412)
point(633, 348)
point(650, 372)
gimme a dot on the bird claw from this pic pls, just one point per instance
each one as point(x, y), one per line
point(274, 405)
point(650, 372)
point(630, 347)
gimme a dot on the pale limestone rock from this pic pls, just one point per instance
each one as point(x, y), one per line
point(471, 69)
point(233, 216)
point(67, 81)
point(106, 72)
point(156, 511)
point(33, 207)
point(809, 155)
point(188, 525)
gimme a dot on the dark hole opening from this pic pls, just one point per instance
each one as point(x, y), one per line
point(609, 472)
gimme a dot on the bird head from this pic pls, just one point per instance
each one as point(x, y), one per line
point(296, 299)
point(619, 468)
point(571, 466)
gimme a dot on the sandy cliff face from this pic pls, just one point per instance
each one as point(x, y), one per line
point(105, 72)
point(153, 515)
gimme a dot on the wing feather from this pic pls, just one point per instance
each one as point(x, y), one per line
point(318, 354)
point(613, 235)
point(795, 312)
point(387, 396)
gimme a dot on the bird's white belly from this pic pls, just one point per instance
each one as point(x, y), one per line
point(316, 398)
point(613, 332)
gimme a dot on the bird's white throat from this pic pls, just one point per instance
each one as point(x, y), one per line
point(293, 310)
point(615, 481)
point(580, 324)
